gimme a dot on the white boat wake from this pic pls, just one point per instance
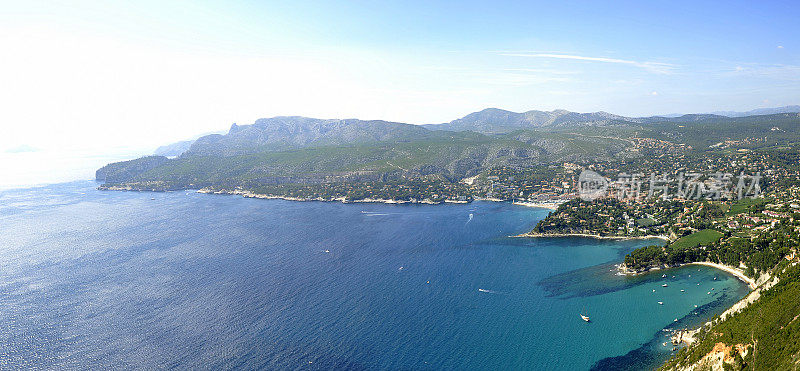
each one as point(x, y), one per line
point(373, 213)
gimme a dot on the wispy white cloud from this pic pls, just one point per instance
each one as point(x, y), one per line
point(543, 71)
point(656, 67)
point(783, 72)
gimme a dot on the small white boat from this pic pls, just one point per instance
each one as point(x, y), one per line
point(654, 290)
point(664, 285)
point(682, 290)
point(664, 276)
point(660, 303)
point(676, 320)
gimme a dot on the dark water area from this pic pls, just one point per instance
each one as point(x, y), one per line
point(93, 279)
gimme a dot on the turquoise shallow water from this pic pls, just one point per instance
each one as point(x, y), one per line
point(96, 279)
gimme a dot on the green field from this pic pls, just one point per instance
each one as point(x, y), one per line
point(745, 204)
point(704, 237)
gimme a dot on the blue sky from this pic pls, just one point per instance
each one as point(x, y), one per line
point(130, 75)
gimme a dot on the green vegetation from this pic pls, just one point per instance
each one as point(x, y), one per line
point(120, 172)
point(768, 331)
point(646, 257)
point(311, 155)
point(602, 218)
point(747, 205)
point(758, 254)
point(608, 217)
point(701, 238)
point(678, 252)
point(537, 156)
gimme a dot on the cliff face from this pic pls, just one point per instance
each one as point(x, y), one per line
point(760, 332)
point(721, 357)
point(280, 133)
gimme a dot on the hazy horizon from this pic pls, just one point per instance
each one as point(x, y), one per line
point(99, 77)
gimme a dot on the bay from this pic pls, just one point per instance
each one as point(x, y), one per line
point(94, 279)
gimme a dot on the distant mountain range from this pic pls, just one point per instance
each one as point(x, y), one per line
point(302, 150)
point(494, 120)
point(759, 111)
point(285, 132)
point(754, 112)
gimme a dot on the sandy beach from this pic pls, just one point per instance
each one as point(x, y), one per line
point(736, 272)
point(543, 205)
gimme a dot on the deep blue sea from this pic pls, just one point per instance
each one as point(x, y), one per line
point(94, 279)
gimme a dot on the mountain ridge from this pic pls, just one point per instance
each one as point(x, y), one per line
point(287, 131)
point(496, 120)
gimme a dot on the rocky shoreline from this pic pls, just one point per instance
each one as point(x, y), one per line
point(248, 194)
point(588, 235)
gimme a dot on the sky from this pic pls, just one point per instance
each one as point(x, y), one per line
point(95, 80)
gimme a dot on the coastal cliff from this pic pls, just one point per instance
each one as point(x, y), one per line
point(759, 332)
point(120, 172)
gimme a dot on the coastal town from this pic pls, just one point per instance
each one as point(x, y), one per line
point(733, 205)
point(754, 236)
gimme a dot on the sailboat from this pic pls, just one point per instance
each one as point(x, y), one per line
point(583, 317)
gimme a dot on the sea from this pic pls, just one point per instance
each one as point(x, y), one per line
point(94, 279)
